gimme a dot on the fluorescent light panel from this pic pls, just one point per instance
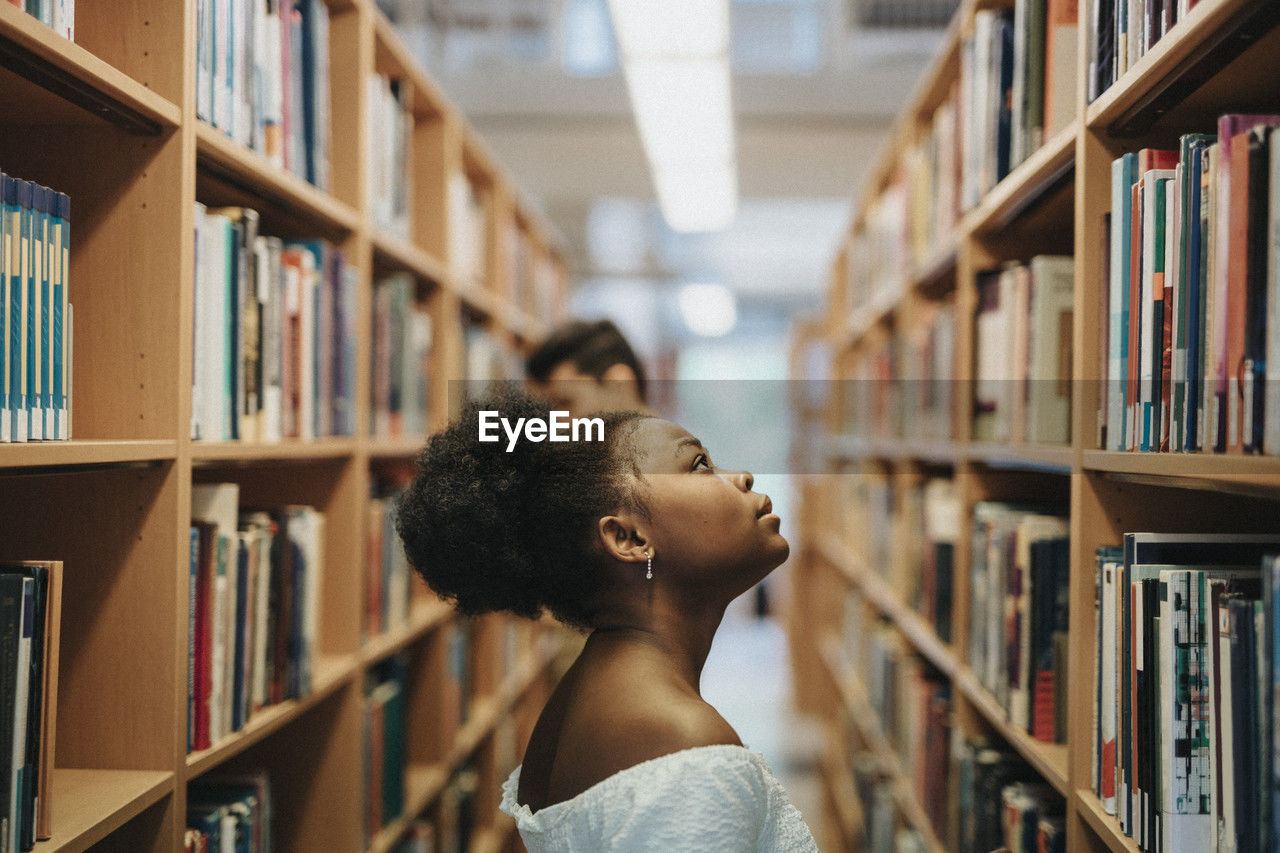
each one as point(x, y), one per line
point(675, 54)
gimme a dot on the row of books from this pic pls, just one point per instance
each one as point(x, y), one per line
point(931, 512)
point(1002, 803)
point(227, 812)
point(262, 78)
point(1120, 32)
point(1022, 342)
point(1019, 610)
point(59, 15)
point(35, 312)
point(468, 232)
point(902, 386)
point(883, 829)
point(402, 337)
point(30, 623)
point(1017, 88)
point(383, 717)
point(389, 578)
point(274, 342)
point(254, 602)
point(1193, 286)
point(1185, 729)
point(390, 128)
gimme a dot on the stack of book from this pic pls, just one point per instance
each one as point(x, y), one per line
point(458, 820)
point(1032, 818)
point(984, 771)
point(35, 312)
point(389, 577)
point(1193, 340)
point(1119, 32)
point(30, 626)
point(874, 785)
point(468, 234)
point(58, 15)
point(262, 78)
point(1022, 341)
point(274, 341)
point(402, 336)
point(389, 130)
point(932, 509)
point(229, 812)
point(1019, 598)
point(1017, 88)
point(1187, 672)
point(872, 517)
point(383, 720)
point(926, 373)
point(254, 596)
point(872, 406)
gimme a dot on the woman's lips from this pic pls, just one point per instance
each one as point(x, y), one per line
point(766, 508)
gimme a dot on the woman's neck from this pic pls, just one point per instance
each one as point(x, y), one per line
point(683, 639)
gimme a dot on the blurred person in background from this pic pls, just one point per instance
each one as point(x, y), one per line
point(588, 366)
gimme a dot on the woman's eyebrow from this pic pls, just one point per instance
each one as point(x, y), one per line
point(688, 441)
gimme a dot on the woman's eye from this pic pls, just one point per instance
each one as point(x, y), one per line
point(701, 461)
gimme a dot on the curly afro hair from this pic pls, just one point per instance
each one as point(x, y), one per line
point(496, 531)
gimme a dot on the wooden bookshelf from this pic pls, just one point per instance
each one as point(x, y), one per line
point(115, 503)
point(1218, 59)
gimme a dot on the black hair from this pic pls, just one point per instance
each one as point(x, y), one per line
point(593, 347)
point(492, 530)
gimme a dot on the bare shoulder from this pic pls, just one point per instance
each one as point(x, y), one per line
point(625, 734)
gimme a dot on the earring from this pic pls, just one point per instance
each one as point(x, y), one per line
point(649, 573)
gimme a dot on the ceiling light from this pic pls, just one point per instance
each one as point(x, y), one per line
point(709, 310)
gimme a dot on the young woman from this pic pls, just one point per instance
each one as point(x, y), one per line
point(641, 541)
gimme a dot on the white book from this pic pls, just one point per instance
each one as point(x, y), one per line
point(1226, 750)
point(22, 689)
point(1049, 371)
point(258, 686)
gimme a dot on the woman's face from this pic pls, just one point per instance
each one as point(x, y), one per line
point(702, 519)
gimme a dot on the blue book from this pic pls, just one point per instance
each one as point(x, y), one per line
point(61, 299)
point(44, 377)
point(30, 275)
point(1192, 269)
point(13, 204)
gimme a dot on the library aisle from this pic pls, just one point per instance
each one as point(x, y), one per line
point(985, 293)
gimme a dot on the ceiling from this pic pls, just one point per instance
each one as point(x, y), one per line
point(814, 95)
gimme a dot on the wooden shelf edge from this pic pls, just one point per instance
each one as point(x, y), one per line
point(111, 797)
point(220, 156)
point(236, 451)
point(1029, 457)
point(53, 454)
point(396, 251)
point(1103, 824)
point(1029, 182)
point(910, 624)
point(399, 447)
point(1161, 66)
point(70, 71)
point(332, 673)
point(853, 694)
point(422, 619)
point(1195, 465)
point(857, 448)
point(843, 793)
point(1049, 759)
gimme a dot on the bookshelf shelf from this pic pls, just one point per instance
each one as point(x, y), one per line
point(93, 803)
point(253, 181)
point(1031, 457)
point(1103, 824)
point(425, 616)
point(206, 453)
point(913, 626)
point(401, 447)
point(68, 71)
point(1208, 466)
point(1200, 45)
point(871, 729)
point(482, 302)
point(98, 454)
point(937, 273)
point(1036, 178)
point(841, 791)
point(391, 251)
point(332, 672)
point(1049, 759)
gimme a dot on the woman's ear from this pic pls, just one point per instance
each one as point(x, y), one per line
point(623, 539)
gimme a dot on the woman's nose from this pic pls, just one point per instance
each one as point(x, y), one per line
point(745, 480)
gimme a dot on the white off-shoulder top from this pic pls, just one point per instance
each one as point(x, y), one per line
point(717, 798)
